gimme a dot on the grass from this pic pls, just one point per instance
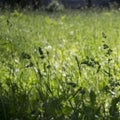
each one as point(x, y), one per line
point(60, 66)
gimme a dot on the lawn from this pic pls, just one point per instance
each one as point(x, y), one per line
point(60, 65)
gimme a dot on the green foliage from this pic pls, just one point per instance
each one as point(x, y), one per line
point(59, 66)
point(55, 6)
point(35, 4)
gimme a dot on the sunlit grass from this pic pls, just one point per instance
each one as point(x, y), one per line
point(60, 66)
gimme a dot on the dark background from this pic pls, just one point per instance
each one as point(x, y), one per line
point(35, 4)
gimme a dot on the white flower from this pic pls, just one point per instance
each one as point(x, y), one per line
point(63, 74)
point(56, 65)
point(48, 47)
point(17, 70)
point(71, 32)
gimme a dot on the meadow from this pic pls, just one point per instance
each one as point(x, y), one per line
point(60, 65)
